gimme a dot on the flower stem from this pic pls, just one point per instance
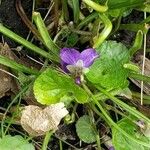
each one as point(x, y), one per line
point(48, 42)
point(146, 98)
point(118, 128)
point(23, 90)
point(25, 19)
point(76, 10)
point(134, 27)
point(137, 43)
point(132, 67)
point(125, 4)
point(125, 106)
point(98, 142)
point(87, 20)
point(96, 6)
point(92, 120)
point(46, 139)
point(146, 20)
point(106, 31)
point(19, 67)
point(26, 43)
point(60, 145)
point(65, 10)
point(111, 122)
point(140, 77)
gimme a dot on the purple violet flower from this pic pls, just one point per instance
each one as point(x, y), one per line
point(111, 148)
point(77, 63)
point(108, 142)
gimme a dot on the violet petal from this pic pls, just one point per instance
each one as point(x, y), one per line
point(111, 148)
point(78, 80)
point(69, 56)
point(88, 56)
point(63, 66)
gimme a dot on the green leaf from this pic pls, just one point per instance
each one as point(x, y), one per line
point(114, 4)
point(72, 39)
point(52, 85)
point(116, 12)
point(119, 12)
point(15, 143)
point(121, 142)
point(145, 7)
point(108, 70)
point(85, 129)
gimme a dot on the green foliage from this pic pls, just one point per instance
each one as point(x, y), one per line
point(145, 7)
point(15, 143)
point(121, 142)
point(85, 129)
point(108, 73)
point(113, 4)
point(108, 70)
point(52, 85)
point(122, 7)
point(119, 12)
point(72, 39)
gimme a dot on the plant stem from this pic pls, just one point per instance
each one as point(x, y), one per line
point(118, 128)
point(98, 142)
point(26, 43)
point(146, 98)
point(87, 20)
point(132, 67)
point(60, 145)
point(92, 121)
point(12, 102)
point(125, 4)
point(140, 77)
point(111, 122)
point(97, 135)
point(19, 67)
point(129, 109)
point(137, 43)
point(134, 27)
point(96, 6)
point(75, 148)
point(65, 10)
point(25, 19)
point(17, 111)
point(103, 97)
point(48, 42)
point(46, 139)
point(146, 20)
point(106, 31)
point(76, 10)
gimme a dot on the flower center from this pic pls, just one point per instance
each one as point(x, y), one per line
point(77, 69)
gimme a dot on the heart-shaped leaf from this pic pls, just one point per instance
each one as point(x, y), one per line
point(15, 143)
point(121, 142)
point(85, 130)
point(108, 70)
point(52, 85)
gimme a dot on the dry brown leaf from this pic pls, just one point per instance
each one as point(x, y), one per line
point(6, 81)
point(37, 121)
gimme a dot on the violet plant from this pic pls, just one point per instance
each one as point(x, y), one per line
point(76, 63)
point(89, 77)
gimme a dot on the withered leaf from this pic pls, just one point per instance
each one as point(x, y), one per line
point(37, 121)
point(6, 81)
